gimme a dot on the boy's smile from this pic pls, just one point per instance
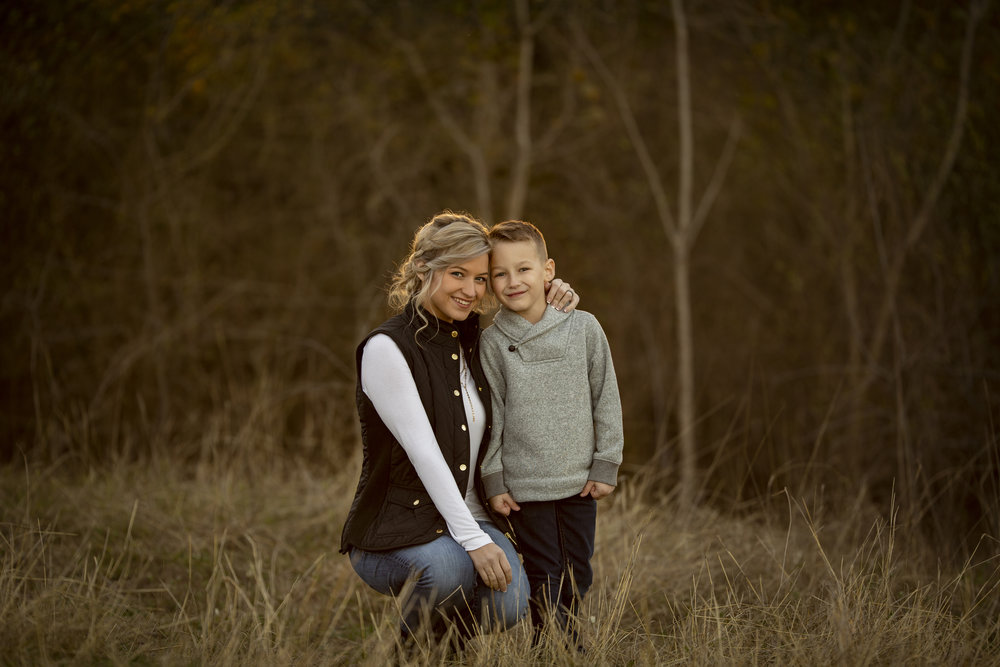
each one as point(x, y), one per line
point(518, 273)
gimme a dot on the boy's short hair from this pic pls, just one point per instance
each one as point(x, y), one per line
point(513, 231)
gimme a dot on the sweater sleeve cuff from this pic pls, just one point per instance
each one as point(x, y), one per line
point(604, 471)
point(493, 484)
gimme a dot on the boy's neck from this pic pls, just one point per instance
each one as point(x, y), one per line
point(534, 314)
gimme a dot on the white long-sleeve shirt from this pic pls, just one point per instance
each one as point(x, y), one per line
point(387, 381)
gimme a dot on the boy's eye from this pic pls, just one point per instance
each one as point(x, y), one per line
point(499, 274)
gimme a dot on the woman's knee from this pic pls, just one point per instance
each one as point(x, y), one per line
point(502, 610)
point(516, 605)
point(446, 577)
point(436, 569)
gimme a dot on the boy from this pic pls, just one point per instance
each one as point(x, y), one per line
point(557, 436)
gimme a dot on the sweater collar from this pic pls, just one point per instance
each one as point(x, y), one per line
point(520, 330)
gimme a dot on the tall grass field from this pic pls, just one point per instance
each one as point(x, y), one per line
point(211, 564)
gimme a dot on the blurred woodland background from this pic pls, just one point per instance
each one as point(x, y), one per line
point(202, 202)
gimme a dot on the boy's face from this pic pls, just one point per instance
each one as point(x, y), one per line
point(518, 274)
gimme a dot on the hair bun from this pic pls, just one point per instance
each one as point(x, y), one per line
point(445, 219)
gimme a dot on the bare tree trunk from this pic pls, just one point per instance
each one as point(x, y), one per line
point(473, 150)
point(682, 272)
point(848, 269)
point(685, 369)
point(479, 141)
point(521, 170)
point(681, 232)
point(866, 344)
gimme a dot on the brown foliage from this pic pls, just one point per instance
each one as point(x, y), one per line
point(202, 203)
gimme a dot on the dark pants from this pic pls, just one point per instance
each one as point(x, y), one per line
point(556, 538)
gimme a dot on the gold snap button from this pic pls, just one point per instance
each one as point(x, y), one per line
point(439, 531)
point(463, 467)
point(463, 427)
point(456, 393)
point(454, 356)
point(416, 502)
point(454, 334)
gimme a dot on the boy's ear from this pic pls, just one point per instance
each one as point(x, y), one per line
point(550, 269)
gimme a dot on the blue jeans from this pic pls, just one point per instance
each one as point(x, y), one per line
point(445, 582)
point(557, 540)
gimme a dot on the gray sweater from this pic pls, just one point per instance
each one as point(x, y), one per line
point(557, 415)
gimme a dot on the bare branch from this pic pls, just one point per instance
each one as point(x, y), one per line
point(718, 177)
point(632, 129)
point(922, 219)
point(976, 12)
point(567, 111)
point(472, 150)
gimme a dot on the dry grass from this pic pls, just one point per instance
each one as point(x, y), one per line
point(166, 564)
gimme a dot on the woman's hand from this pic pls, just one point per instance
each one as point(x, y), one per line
point(561, 296)
point(491, 563)
point(596, 490)
point(503, 504)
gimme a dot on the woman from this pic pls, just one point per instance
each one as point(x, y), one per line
point(419, 512)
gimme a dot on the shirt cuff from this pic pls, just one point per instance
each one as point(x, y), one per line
point(477, 542)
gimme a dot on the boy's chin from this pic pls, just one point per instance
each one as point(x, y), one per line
point(517, 307)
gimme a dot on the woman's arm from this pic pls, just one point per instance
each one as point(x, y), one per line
point(386, 380)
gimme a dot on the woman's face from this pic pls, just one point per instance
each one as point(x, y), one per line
point(457, 290)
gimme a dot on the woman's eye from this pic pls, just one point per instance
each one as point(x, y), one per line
point(480, 279)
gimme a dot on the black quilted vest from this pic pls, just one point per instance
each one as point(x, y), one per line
point(391, 507)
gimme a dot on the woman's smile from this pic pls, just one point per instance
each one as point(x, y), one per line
point(457, 289)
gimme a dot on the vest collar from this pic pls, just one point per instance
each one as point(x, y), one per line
point(440, 332)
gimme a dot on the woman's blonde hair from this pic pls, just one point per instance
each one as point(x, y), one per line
point(448, 239)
